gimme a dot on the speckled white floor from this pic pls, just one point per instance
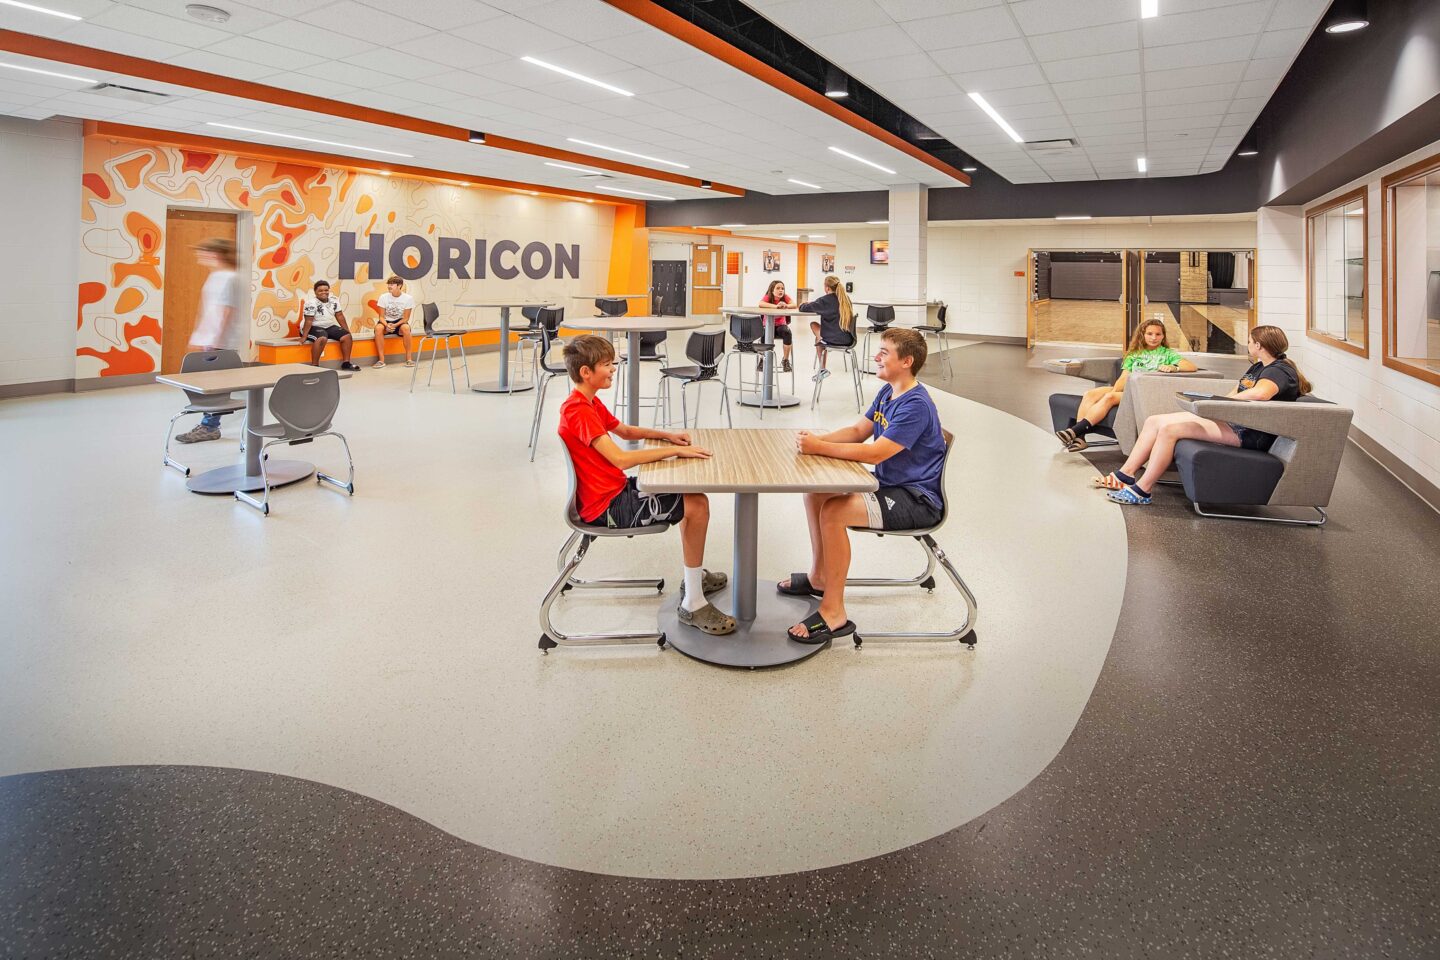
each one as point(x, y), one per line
point(387, 643)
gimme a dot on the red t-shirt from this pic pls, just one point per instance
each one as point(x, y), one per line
point(783, 302)
point(597, 480)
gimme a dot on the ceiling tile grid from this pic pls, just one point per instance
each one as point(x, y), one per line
point(1180, 89)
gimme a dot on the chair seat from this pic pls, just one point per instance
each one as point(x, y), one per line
point(690, 373)
point(918, 532)
point(1217, 474)
point(451, 332)
point(601, 530)
point(215, 405)
point(837, 346)
point(929, 328)
point(269, 430)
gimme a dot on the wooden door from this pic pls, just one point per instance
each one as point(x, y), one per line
point(707, 274)
point(184, 277)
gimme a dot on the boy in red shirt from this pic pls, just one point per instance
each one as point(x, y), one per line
point(605, 495)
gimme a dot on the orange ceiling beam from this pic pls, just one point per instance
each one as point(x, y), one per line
point(45, 48)
point(682, 29)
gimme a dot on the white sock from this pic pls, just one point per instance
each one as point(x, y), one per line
point(694, 588)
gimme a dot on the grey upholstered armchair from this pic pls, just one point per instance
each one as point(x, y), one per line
point(1106, 370)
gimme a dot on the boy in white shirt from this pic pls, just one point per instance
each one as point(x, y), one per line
point(218, 327)
point(322, 321)
point(395, 306)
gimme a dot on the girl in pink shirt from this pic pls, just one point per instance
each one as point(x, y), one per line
point(776, 296)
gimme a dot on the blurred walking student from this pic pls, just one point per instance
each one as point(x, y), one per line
point(217, 326)
point(836, 326)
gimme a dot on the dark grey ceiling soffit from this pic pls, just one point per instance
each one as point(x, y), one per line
point(751, 33)
point(991, 197)
point(1351, 103)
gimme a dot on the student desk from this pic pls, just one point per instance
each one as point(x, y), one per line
point(255, 381)
point(769, 396)
point(503, 384)
point(748, 463)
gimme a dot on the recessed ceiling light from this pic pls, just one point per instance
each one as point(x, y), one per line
point(812, 186)
point(636, 193)
point(476, 136)
point(292, 136)
point(837, 85)
point(578, 76)
point(1347, 16)
point(983, 104)
point(567, 166)
point(203, 11)
point(970, 169)
point(34, 9)
point(868, 163)
point(638, 156)
point(1075, 216)
point(1140, 164)
point(48, 73)
point(1149, 8)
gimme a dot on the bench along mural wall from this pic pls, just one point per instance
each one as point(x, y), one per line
point(299, 219)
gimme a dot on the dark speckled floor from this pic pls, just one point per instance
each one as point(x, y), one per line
point(1255, 775)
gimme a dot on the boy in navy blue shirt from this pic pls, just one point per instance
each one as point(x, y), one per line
point(908, 453)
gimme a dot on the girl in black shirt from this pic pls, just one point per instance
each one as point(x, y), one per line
point(1273, 376)
point(837, 321)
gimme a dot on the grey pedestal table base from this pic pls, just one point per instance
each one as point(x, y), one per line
point(759, 642)
point(750, 398)
point(227, 480)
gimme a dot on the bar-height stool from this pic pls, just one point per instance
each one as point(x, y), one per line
point(201, 404)
point(748, 331)
point(430, 315)
point(965, 633)
point(852, 362)
point(937, 330)
point(582, 536)
point(303, 405)
point(880, 318)
point(527, 338)
point(705, 349)
point(545, 369)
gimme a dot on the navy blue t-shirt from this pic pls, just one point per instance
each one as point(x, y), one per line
point(912, 421)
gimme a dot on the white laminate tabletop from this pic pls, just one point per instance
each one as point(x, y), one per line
point(769, 310)
point(896, 303)
point(635, 324)
point(753, 461)
point(241, 378)
point(509, 303)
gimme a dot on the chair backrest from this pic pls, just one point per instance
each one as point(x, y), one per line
point(879, 316)
point(549, 321)
point(944, 469)
point(531, 313)
point(746, 327)
point(429, 316)
point(550, 318)
point(940, 316)
point(612, 306)
point(305, 403)
point(706, 349)
point(210, 360)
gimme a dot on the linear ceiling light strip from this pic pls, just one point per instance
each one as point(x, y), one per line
point(44, 48)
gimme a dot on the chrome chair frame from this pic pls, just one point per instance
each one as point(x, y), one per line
point(202, 404)
point(295, 433)
point(542, 373)
point(852, 365)
point(430, 315)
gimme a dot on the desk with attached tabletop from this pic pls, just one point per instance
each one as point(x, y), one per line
point(768, 396)
point(748, 463)
point(255, 381)
point(633, 327)
point(503, 384)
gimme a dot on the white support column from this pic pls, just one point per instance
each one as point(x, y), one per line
point(909, 222)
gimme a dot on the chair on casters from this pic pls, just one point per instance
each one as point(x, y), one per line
point(705, 349)
point(965, 633)
point(748, 331)
point(582, 535)
point(199, 402)
point(937, 329)
point(880, 319)
point(430, 315)
point(303, 405)
point(847, 351)
point(545, 370)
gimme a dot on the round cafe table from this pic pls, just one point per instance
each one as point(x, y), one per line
point(769, 395)
point(503, 384)
point(633, 327)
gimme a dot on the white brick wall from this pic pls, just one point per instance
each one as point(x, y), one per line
point(40, 167)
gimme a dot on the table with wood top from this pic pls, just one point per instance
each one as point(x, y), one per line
point(255, 381)
point(748, 463)
point(633, 327)
point(769, 395)
point(503, 384)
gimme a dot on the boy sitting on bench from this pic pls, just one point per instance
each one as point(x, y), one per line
point(604, 495)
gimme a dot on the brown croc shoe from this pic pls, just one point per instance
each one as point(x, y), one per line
point(707, 619)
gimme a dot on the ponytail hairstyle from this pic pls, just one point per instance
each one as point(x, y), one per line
point(1137, 339)
point(1274, 341)
point(847, 309)
point(770, 291)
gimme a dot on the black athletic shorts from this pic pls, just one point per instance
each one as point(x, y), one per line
point(631, 508)
point(332, 332)
point(783, 334)
point(899, 508)
point(1251, 439)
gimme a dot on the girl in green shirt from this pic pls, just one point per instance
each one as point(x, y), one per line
point(1148, 351)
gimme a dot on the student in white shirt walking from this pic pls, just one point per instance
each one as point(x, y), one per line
point(218, 326)
point(395, 306)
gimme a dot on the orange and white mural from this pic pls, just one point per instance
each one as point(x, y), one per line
point(293, 215)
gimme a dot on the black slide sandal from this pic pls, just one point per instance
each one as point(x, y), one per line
point(799, 587)
point(818, 631)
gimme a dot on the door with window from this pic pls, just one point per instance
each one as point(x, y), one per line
point(184, 277)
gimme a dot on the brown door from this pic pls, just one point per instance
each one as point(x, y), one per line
point(184, 277)
point(707, 277)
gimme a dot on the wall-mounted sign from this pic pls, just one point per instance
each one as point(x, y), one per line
point(702, 268)
point(412, 257)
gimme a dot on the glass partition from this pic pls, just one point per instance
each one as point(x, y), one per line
point(1412, 256)
point(1205, 298)
point(1336, 273)
point(1077, 296)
